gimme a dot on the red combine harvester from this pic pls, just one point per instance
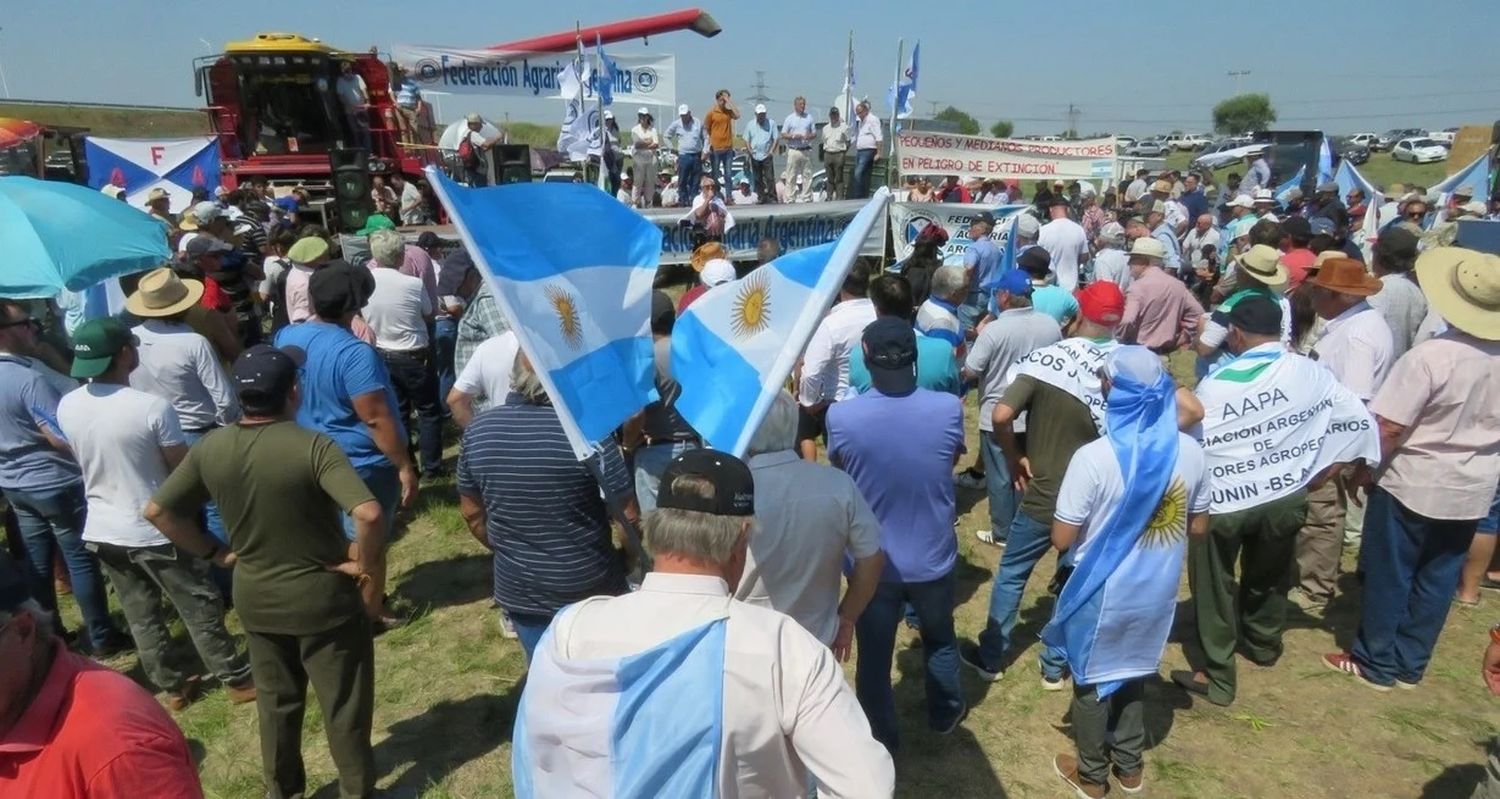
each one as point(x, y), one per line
point(273, 106)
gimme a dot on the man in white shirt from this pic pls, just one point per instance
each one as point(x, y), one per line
point(1138, 187)
point(485, 380)
point(825, 362)
point(1203, 234)
point(355, 100)
point(867, 139)
point(126, 442)
point(771, 694)
point(399, 311)
point(645, 142)
point(1111, 262)
point(410, 205)
point(1065, 241)
point(809, 516)
point(798, 133)
point(835, 145)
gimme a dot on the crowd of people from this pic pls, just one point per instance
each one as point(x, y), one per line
point(1164, 381)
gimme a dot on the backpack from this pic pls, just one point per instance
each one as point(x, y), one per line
point(468, 154)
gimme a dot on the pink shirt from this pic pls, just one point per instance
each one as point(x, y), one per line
point(298, 300)
point(1160, 312)
point(91, 733)
point(1446, 392)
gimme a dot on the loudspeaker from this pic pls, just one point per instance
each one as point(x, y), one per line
point(512, 163)
point(351, 187)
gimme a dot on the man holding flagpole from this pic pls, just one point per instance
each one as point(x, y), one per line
point(1128, 503)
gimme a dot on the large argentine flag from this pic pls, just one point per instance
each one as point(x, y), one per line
point(139, 165)
point(647, 725)
point(571, 269)
point(734, 347)
point(1350, 179)
point(1475, 177)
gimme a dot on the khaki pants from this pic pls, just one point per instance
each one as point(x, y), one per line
point(1320, 544)
point(643, 172)
point(1182, 365)
point(797, 163)
point(834, 164)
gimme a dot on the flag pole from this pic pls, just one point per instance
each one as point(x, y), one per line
point(890, 171)
point(849, 81)
point(599, 106)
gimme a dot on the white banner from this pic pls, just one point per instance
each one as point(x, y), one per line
point(928, 153)
point(795, 226)
point(641, 80)
point(908, 220)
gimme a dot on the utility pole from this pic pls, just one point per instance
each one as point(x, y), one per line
point(1237, 74)
point(934, 109)
point(1073, 113)
point(760, 88)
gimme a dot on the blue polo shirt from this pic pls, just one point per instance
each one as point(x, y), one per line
point(340, 367)
point(28, 462)
point(983, 258)
point(760, 136)
point(689, 137)
point(544, 516)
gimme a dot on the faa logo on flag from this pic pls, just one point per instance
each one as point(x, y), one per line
point(177, 166)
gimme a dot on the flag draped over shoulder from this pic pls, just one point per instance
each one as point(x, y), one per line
point(650, 724)
point(1141, 425)
point(579, 304)
point(1272, 421)
point(733, 348)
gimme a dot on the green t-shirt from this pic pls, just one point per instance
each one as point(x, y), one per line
point(282, 491)
point(1057, 424)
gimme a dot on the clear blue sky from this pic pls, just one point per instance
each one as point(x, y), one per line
point(1131, 67)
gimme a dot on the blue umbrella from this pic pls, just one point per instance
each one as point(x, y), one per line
point(61, 235)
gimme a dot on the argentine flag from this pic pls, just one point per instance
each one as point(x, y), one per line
point(572, 270)
point(1284, 191)
point(1475, 177)
point(1349, 179)
point(650, 724)
point(735, 346)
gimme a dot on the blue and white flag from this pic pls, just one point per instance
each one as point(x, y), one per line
point(904, 91)
point(1284, 191)
point(734, 347)
point(177, 166)
point(1349, 179)
point(606, 76)
point(1325, 162)
point(650, 724)
point(1475, 177)
point(580, 305)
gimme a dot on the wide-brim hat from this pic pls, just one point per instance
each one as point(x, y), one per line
point(1263, 264)
point(1463, 286)
point(161, 292)
point(1147, 247)
point(1346, 276)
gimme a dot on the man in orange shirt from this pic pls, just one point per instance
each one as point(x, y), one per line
point(719, 122)
point(72, 729)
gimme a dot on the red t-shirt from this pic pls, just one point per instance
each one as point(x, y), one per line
point(688, 296)
point(91, 733)
point(214, 297)
point(1297, 261)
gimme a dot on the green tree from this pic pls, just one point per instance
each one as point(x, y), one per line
point(1244, 112)
point(1002, 129)
point(967, 125)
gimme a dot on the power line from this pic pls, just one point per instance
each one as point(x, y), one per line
point(1237, 74)
point(759, 86)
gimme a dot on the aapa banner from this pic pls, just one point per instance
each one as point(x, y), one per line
point(908, 220)
point(930, 153)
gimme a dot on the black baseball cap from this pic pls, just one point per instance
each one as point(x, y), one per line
point(1034, 261)
point(339, 288)
point(428, 240)
point(985, 217)
point(264, 374)
point(734, 488)
point(891, 355)
point(202, 244)
point(1256, 314)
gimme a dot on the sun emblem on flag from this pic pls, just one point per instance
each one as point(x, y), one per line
point(1168, 524)
point(566, 308)
point(752, 308)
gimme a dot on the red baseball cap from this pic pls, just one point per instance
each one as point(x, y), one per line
point(1101, 302)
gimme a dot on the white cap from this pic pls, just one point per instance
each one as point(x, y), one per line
point(474, 119)
point(205, 212)
point(1241, 201)
point(1264, 196)
point(643, 112)
point(683, 110)
point(760, 108)
point(716, 272)
point(112, 191)
point(608, 114)
point(1027, 226)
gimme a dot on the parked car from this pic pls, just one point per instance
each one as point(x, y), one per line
point(1351, 151)
point(562, 176)
point(1192, 141)
point(1150, 148)
point(1388, 140)
point(1444, 137)
point(1363, 139)
point(1223, 153)
point(1422, 150)
point(1124, 142)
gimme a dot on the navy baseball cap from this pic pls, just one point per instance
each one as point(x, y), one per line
point(890, 346)
point(263, 375)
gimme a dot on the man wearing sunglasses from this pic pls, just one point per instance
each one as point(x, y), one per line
point(43, 484)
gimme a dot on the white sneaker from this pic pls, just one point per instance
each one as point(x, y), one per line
point(507, 627)
point(988, 537)
point(1054, 685)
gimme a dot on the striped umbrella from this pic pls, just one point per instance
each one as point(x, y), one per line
point(17, 131)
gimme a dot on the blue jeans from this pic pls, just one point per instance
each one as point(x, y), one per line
point(415, 381)
point(52, 520)
point(689, 170)
point(864, 162)
point(650, 462)
point(1029, 541)
point(444, 336)
point(385, 483)
point(1002, 493)
point(876, 633)
point(529, 629)
point(1411, 567)
point(721, 161)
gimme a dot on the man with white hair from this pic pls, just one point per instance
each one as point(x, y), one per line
point(1203, 234)
point(938, 314)
point(399, 311)
point(728, 699)
point(1111, 263)
point(810, 515)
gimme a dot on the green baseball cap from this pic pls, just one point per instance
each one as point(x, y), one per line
point(95, 344)
point(376, 222)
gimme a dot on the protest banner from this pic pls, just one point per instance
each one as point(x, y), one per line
point(794, 226)
point(177, 166)
point(639, 79)
point(908, 220)
point(930, 153)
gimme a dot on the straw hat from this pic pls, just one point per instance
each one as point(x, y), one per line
point(1263, 263)
point(1149, 248)
point(1463, 286)
point(162, 293)
point(1346, 276)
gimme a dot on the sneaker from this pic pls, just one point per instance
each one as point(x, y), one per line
point(117, 644)
point(241, 694)
point(1132, 783)
point(969, 654)
point(968, 480)
point(507, 627)
point(1066, 767)
point(1054, 683)
point(178, 700)
point(1305, 603)
point(957, 720)
point(1343, 662)
point(988, 537)
point(1406, 686)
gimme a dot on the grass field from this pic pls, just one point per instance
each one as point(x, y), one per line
point(447, 687)
point(130, 122)
point(1380, 170)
